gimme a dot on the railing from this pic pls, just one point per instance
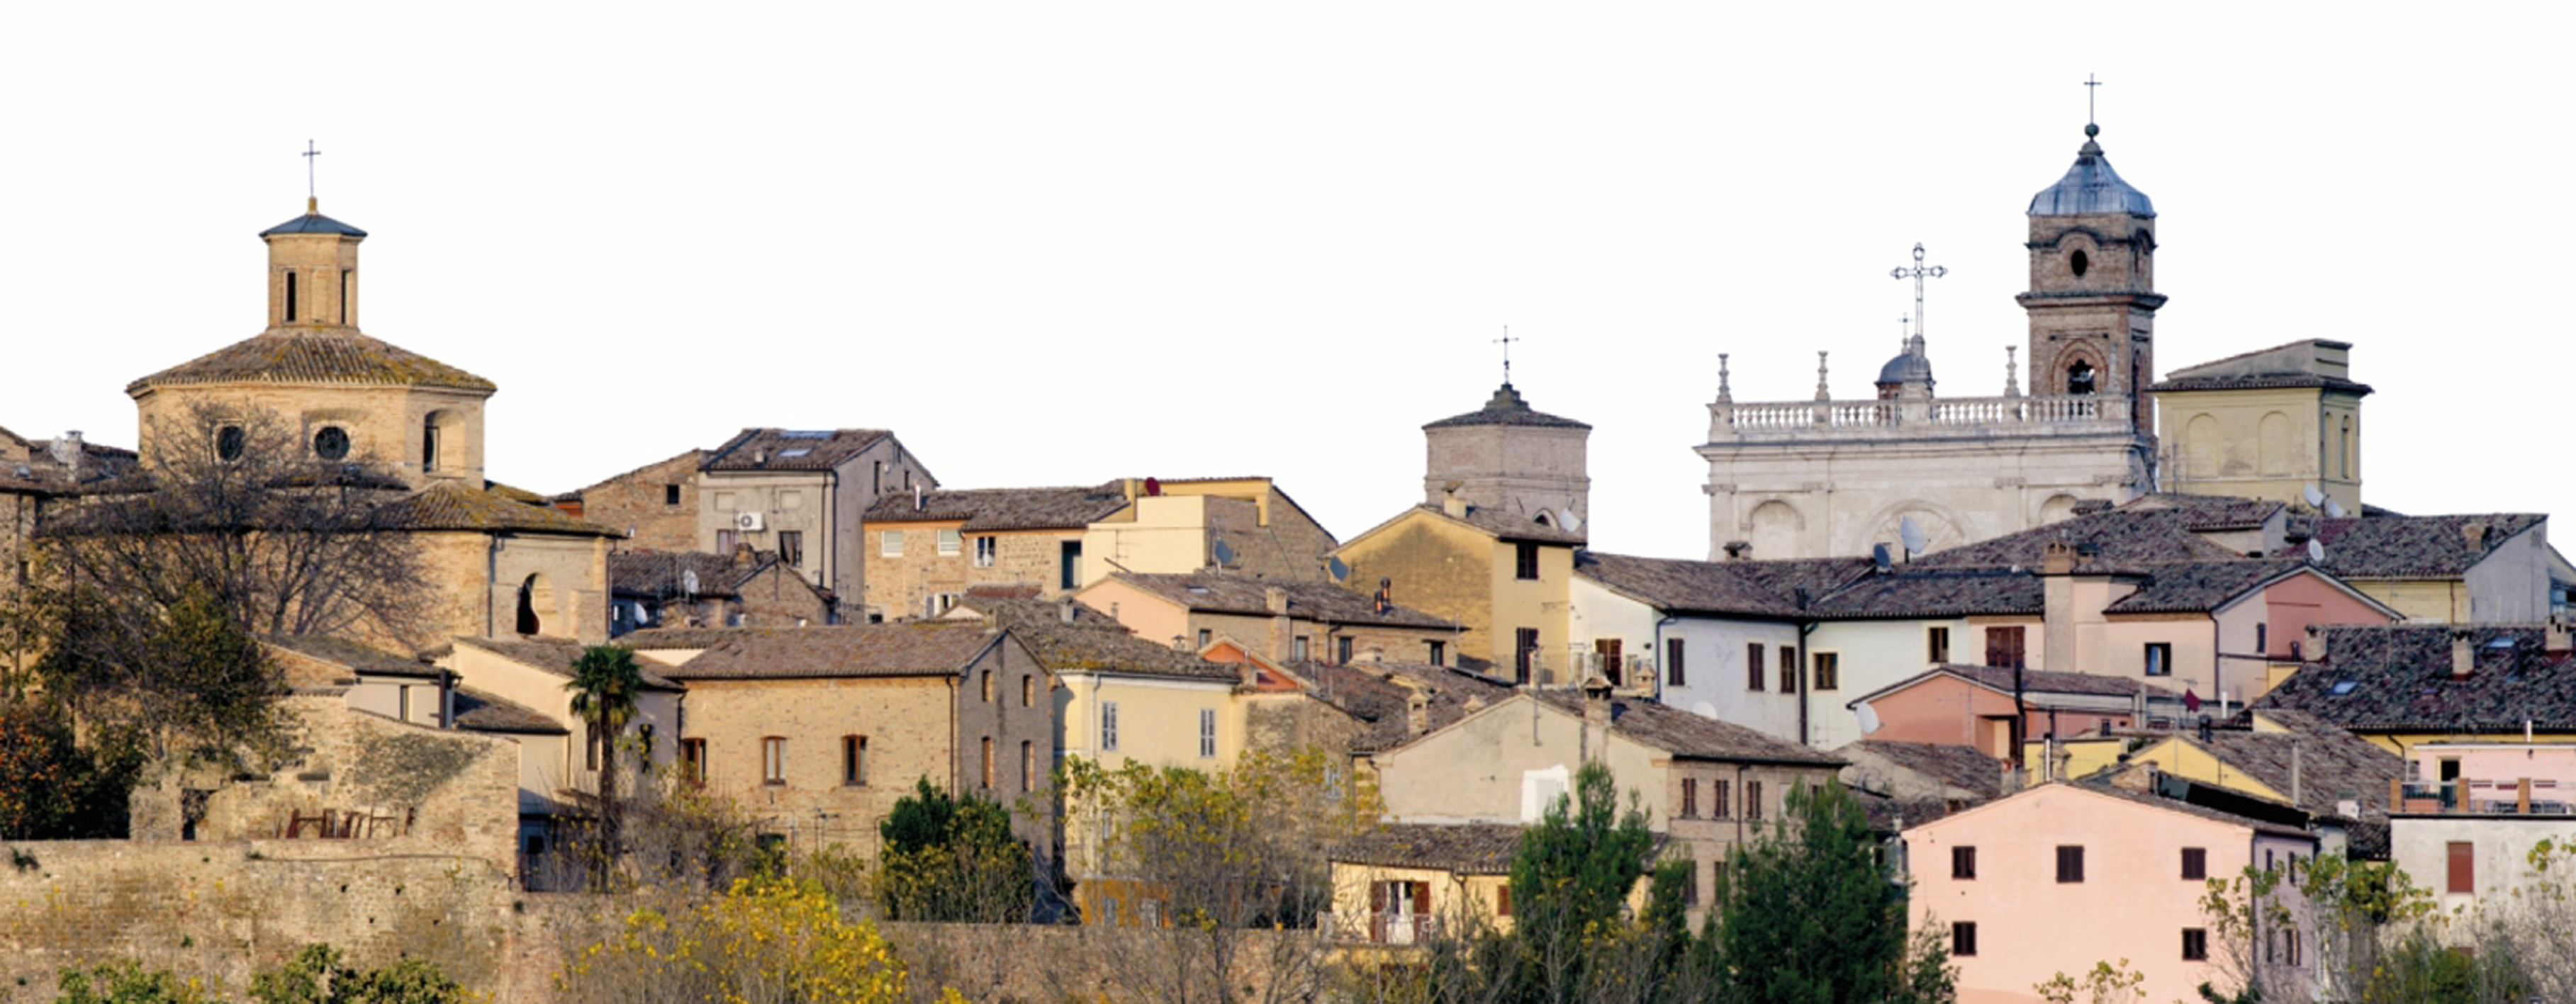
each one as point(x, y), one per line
point(1380, 928)
point(2478, 796)
point(1796, 416)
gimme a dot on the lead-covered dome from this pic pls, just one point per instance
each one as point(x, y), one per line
point(2091, 188)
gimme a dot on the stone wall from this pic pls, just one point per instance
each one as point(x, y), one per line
point(638, 503)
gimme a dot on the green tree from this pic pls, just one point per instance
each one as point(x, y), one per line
point(1812, 917)
point(605, 685)
point(183, 683)
point(1572, 876)
point(316, 976)
point(50, 787)
point(952, 858)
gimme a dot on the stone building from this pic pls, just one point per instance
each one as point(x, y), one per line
point(928, 549)
point(1283, 619)
point(1831, 476)
point(1509, 459)
point(695, 589)
point(2275, 424)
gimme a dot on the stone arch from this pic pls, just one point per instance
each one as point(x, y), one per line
point(536, 604)
point(2200, 447)
point(2272, 440)
point(2084, 359)
point(1775, 527)
point(1942, 526)
point(2347, 451)
point(442, 441)
point(2059, 506)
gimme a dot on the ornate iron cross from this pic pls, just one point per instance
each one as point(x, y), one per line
point(1919, 273)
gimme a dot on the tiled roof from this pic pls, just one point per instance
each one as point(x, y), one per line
point(314, 355)
point(664, 574)
point(1511, 527)
point(919, 648)
point(29, 466)
point(553, 655)
point(2333, 764)
point(477, 711)
point(454, 505)
point(314, 223)
point(2295, 364)
point(1380, 694)
point(585, 490)
point(1915, 591)
point(1465, 848)
point(2129, 535)
point(356, 657)
point(1507, 408)
point(2041, 681)
point(1684, 734)
point(790, 449)
point(2195, 586)
point(1208, 592)
point(1956, 766)
point(2186, 808)
point(1058, 508)
point(2398, 677)
point(1759, 588)
point(2261, 382)
point(2376, 547)
point(1093, 642)
point(2212, 512)
point(515, 493)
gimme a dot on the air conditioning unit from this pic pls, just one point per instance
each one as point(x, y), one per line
point(748, 522)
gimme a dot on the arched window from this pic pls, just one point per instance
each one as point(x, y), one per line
point(536, 604)
point(290, 296)
point(2079, 378)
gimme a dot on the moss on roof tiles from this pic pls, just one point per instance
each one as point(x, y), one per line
point(314, 356)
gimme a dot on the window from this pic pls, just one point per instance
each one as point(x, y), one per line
point(986, 550)
point(2159, 658)
point(1963, 862)
point(876, 476)
point(2003, 647)
point(1502, 901)
point(2195, 863)
point(1525, 561)
point(590, 746)
point(1524, 654)
point(1205, 637)
point(2262, 639)
point(2195, 944)
point(1717, 880)
point(2079, 378)
point(1720, 794)
point(331, 443)
point(1300, 648)
point(1690, 890)
point(854, 760)
point(1752, 799)
point(693, 760)
point(1438, 652)
point(950, 543)
point(1606, 653)
point(1342, 650)
point(290, 296)
point(2070, 862)
point(1068, 559)
point(1028, 691)
point(1936, 645)
point(987, 686)
point(988, 762)
point(791, 546)
point(1673, 662)
point(429, 445)
point(1753, 668)
point(1028, 763)
point(890, 544)
point(773, 760)
point(1963, 937)
point(670, 495)
point(1788, 669)
point(1828, 669)
point(1690, 798)
point(1207, 732)
point(1109, 726)
point(347, 276)
point(229, 441)
point(2463, 862)
point(725, 541)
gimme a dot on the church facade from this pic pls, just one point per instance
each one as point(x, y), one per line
point(1830, 477)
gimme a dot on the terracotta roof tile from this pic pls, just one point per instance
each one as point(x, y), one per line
point(354, 656)
point(2373, 547)
point(2393, 677)
point(1917, 591)
point(1209, 592)
point(553, 655)
point(477, 711)
point(1056, 508)
point(1684, 734)
point(2130, 535)
point(790, 449)
point(314, 355)
point(1759, 588)
point(454, 505)
point(1507, 408)
point(2195, 586)
point(919, 648)
point(662, 575)
point(1956, 766)
point(1380, 696)
point(1093, 642)
point(1464, 848)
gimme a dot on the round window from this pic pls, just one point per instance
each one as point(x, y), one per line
point(2078, 264)
point(332, 443)
point(228, 443)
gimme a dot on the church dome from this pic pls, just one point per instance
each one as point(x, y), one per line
point(1507, 408)
point(2091, 188)
point(1909, 366)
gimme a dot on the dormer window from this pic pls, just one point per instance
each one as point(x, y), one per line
point(2079, 378)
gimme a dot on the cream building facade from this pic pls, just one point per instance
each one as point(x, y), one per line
point(1832, 477)
point(2274, 424)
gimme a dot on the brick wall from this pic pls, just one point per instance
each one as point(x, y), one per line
point(637, 500)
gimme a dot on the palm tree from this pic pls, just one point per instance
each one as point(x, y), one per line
point(604, 684)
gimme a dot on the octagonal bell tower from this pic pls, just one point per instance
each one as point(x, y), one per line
point(2092, 299)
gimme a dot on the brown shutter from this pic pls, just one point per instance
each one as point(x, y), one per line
point(1422, 899)
point(1377, 897)
point(2464, 866)
point(1503, 900)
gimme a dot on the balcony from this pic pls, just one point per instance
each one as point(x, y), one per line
point(1388, 927)
point(2066, 413)
point(2481, 797)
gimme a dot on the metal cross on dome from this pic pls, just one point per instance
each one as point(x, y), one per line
point(1919, 273)
point(310, 152)
point(1506, 342)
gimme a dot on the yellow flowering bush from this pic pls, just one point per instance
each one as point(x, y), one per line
point(765, 941)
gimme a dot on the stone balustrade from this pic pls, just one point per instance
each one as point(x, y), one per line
point(2086, 413)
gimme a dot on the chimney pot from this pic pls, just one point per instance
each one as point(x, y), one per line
point(1276, 599)
point(1737, 550)
point(2555, 636)
point(1064, 609)
point(2464, 654)
point(2059, 559)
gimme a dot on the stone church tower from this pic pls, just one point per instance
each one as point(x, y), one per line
point(1832, 477)
point(1510, 458)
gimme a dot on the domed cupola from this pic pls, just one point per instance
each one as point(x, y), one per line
point(1910, 369)
point(2091, 187)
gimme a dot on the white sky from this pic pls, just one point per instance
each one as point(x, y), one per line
point(1056, 243)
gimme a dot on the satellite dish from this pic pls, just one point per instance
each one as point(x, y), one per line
point(1911, 535)
point(1878, 556)
point(1572, 522)
point(2314, 497)
point(2316, 552)
point(689, 581)
point(1332, 566)
point(1704, 709)
point(1224, 554)
point(2334, 509)
point(1868, 717)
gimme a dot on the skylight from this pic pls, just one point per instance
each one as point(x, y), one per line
point(2342, 687)
point(805, 434)
point(797, 452)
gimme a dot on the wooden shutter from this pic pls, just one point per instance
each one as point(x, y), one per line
point(2463, 867)
point(1422, 899)
point(1503, 900)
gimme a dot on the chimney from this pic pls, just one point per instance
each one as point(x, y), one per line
point(1275, 599)
point(1064, 609)
point(1417, 712)
point(2555, 636)
point(2474, 533)
point(2059, 559)
point(1385, 595)
point(743, 556)
point(1453, 506)
point(2315, 648)
point(1281, 627)
point(1738, 550)
point(2296, 788)
point(1596, 717)
point(2464, 653)
point(917, 503)
point(67, 452)
point(760, 456)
